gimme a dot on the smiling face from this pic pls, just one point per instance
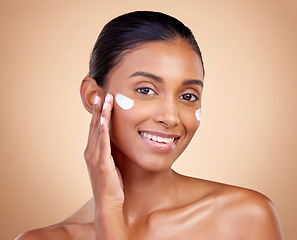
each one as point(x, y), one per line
point(165, 82)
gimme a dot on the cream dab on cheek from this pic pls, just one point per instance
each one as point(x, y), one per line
point(123, 101)
point(198, 114)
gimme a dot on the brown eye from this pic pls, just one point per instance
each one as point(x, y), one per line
point(189, 97)
point(147, 91)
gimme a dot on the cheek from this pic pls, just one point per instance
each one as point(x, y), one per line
point(119, 119)
point(190, 120)
point(121, 115)
point(124, 122)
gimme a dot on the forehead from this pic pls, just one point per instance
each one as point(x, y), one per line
point(168, 60)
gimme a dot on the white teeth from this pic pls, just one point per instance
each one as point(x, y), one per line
point(157, 138)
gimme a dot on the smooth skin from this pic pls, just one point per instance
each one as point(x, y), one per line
point(136, 194)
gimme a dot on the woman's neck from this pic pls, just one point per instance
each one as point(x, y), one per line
point(145, 191)
point(148, 193)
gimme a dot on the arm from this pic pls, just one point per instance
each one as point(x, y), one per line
point(105, 178)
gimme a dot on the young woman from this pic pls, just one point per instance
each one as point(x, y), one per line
point(144, 90)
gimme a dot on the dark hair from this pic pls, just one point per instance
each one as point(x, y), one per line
point(128, 32)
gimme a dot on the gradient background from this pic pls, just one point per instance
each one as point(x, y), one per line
point(247, 136)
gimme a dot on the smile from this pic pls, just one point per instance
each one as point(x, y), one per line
point(159, 143)
point(157, 138)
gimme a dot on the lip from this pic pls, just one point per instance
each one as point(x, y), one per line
point(157, 146)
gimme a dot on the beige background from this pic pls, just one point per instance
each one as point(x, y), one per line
point(248, 132)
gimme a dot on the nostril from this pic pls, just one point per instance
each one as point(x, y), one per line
point(163, 123)
point(169, 122)
point(167, 115)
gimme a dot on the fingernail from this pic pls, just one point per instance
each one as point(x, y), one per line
point(101, 120)
point(107, 100)
point(96, 100)
point(108, 97)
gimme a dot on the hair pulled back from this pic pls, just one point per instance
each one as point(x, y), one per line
point(128, 32)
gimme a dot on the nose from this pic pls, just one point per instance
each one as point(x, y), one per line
point(167, 113)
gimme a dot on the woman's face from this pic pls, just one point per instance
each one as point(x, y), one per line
point(165, 82)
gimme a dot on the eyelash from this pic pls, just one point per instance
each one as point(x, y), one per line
point(149, 91)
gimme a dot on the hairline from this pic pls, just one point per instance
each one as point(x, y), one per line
point(123, 54)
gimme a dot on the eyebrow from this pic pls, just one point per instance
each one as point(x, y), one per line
point(160, 80)
point(193, 81)
point(148, 75)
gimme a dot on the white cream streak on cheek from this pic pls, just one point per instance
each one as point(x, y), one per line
point(198, 114)
point(123, 101)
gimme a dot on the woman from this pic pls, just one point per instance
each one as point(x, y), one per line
point(144, 90)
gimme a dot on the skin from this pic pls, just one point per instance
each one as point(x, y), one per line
point(136, 194)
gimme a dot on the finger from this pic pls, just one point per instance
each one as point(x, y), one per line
point(104, 145)
point(94, 121)
point(107, 108)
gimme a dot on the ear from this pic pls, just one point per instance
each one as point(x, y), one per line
point(88, 91)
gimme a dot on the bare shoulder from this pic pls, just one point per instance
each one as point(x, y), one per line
point(253, 214)
point(65, 231)
point(237, 212)
point(243, 213)
point(80, 225)
point(47, 233)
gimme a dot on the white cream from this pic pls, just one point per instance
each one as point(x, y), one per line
point(123, 101)
point(198, 114)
